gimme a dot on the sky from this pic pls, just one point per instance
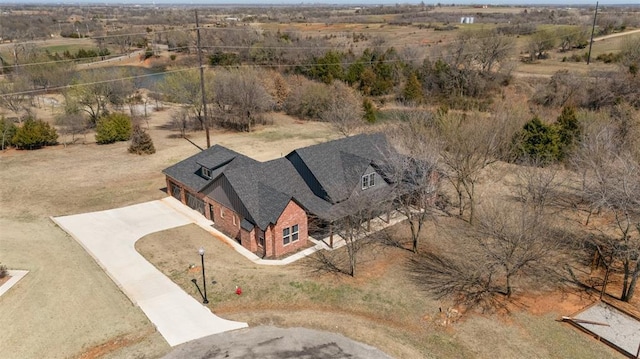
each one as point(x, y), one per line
point(311, 2)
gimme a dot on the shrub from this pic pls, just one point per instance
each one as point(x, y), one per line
point(3, 271)
point(7, 131)
point(34, 134)
point(537, 141)
point(568, 129)
point(609, 58)
point(141, 142)
point(112, 128)
point(220, 58)
point(148, 52)
point(369, 110)
point(307, 99)
point(412, 91)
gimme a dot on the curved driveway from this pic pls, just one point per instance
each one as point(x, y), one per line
point(110, 236)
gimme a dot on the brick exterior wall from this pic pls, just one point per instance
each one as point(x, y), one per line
point(274, 246)
point(229, 224)
point(226, 220)
point(292, 214)
point(171, 184)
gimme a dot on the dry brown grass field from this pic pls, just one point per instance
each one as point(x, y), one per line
point(67, 307)
point(66, 304)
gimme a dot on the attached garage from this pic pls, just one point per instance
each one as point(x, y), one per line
point(195, 203)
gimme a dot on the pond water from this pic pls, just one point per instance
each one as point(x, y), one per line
point(144, 77)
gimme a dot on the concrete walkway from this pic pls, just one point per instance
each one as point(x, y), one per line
point(15, 275)
point(377, 224)
point(110, 236)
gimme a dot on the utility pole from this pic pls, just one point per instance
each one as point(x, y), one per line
point(593, 28)
point(204, 97)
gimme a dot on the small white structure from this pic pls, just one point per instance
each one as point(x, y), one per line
point(466, 20)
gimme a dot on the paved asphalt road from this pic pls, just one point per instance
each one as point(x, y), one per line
point(266, 342)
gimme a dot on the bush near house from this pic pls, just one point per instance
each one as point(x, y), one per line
point(34, 134)
point(112, 128)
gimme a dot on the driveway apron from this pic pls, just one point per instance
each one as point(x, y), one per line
point(110, 237)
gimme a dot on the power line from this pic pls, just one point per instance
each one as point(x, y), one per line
point(303, 65)
point(293, 48)
point(56, 88)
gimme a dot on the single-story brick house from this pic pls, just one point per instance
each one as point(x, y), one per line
point(269, 206)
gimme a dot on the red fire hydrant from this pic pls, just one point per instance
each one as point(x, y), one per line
point(238, 290)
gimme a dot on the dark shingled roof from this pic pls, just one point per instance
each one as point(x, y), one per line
point(338, 164)
point(265, 188)
point(217, 158)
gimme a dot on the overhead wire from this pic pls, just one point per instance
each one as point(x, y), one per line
point(303, 65)
point(224, 46)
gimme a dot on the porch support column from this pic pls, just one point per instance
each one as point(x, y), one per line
point(331, 234)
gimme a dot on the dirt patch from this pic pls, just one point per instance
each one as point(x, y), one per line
point(557, 302)
point(112, 345)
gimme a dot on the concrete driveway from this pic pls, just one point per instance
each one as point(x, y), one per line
point(110, 236)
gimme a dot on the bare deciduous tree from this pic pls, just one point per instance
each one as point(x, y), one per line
point(13, 95)
point(630, 55)
point(508, 246)
point(612, 187)
point(240, 98)
point(71, 124)
point(95, 90)
point(184, 88)
point(354, 235)
point(564, 88)
point(344, 111)
point(536, 185)
point(413, 170)
point(539, 43)
point(469, 144)
point(571, 37)
point(490, 49)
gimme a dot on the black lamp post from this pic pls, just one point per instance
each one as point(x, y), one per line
point(204, 281)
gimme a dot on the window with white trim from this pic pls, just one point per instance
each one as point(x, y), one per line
point(206, 172)
point(368, 180)
point(290, 234)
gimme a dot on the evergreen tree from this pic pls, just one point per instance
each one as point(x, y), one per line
point(568, 129)
point(34, 134)
point(538, 141)
point(112, 128)
point(412, 91)
point(369, 110)
point(7, 131)
point(141, 142)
